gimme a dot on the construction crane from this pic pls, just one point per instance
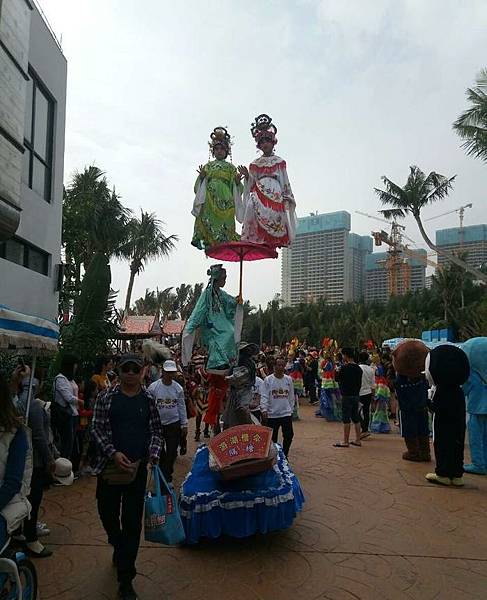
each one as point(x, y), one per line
point(460, 210)
point(397, 266)
point(391, 222)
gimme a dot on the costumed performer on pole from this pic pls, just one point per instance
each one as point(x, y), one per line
point(219, 317)
point(218, 197)
point(269, 205)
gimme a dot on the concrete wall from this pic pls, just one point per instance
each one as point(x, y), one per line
point(40, 224)
point(15, 16)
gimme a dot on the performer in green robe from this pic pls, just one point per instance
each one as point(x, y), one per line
point(218, 197)
point(219, 319)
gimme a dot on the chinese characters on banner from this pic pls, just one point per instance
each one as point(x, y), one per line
point(242, 442)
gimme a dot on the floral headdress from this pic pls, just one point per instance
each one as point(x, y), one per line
point(263, 128)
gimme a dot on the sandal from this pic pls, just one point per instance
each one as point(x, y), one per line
point(341, 445)
point(356, 444)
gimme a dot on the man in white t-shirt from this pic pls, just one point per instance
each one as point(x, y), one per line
point(277, 404)
point(256, 396)
point(366, 392)
point(169, 398)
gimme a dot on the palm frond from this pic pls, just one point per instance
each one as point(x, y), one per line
point(471, 125)
point(394, 213)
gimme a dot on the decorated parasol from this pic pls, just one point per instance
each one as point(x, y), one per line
point(240, 252)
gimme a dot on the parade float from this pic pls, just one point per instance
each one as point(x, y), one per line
point(240, 483)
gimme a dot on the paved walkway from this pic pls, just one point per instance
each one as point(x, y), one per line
point(372, 528)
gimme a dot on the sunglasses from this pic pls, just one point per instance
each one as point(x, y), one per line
point(129, 368)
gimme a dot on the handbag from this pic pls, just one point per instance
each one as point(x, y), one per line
point(162, 521)
point(113, 475)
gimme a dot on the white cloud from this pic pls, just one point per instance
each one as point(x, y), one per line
point(359, 89)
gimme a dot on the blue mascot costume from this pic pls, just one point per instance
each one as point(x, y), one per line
point(476, 393)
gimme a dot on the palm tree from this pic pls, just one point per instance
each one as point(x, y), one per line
point(471, 125)
point(146, 241)
point(445, 284)
point(194, 294)
point(419, 191)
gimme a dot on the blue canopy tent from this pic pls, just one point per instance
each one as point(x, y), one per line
point(22, 334)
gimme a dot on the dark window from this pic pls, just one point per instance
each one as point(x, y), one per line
point(26, 255)
point(38, 137)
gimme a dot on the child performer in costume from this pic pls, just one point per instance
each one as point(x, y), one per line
point(269, 206)
point(412, 394)
point(476, 392)
point(218, 196)
point(447, 369)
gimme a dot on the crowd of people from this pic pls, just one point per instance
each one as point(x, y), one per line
point(125, 413)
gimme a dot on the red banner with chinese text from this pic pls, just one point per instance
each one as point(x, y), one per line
point(242, 442)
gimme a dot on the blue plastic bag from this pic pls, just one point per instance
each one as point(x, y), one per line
point(162, 522)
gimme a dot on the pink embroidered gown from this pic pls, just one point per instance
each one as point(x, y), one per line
point(269, 205)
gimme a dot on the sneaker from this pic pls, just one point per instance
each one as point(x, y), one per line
point(126, 591)
point(458, 481)
point(434, 478)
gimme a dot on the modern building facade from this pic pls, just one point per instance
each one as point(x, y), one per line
point(376, 275)
point(471, 241)
point(325, 261)
point(33, 72)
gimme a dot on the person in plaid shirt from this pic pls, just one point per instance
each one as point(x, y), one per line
point(127, 433)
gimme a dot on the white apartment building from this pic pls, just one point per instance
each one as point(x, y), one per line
point(33, 73)
point(325, 260)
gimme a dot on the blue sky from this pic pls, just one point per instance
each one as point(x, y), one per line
point(358, 89)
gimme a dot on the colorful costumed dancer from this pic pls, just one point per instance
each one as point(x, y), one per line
point(476, 392)
point(269, 205)
point(218, 316)
point(447, 369)
point(197, 388)
point(412, 394)
point(330, 397)
point(380, 419)
point(218, 197)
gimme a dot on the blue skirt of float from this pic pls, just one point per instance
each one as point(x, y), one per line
point(211, 507)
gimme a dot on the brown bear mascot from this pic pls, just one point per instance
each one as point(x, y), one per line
point(412, 394)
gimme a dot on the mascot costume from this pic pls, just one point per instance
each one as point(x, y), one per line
point(447, 369)
point(476, 392)
point(411, 386)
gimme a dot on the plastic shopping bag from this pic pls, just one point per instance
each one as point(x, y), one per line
point(162, 522)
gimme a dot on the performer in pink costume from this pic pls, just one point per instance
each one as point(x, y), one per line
point(269, 205)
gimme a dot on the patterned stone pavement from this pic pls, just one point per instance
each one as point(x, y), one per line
point(372, 528)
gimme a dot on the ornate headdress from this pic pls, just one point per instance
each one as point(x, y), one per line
point(215, 271)
point(220, 137)
point(263, 128)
